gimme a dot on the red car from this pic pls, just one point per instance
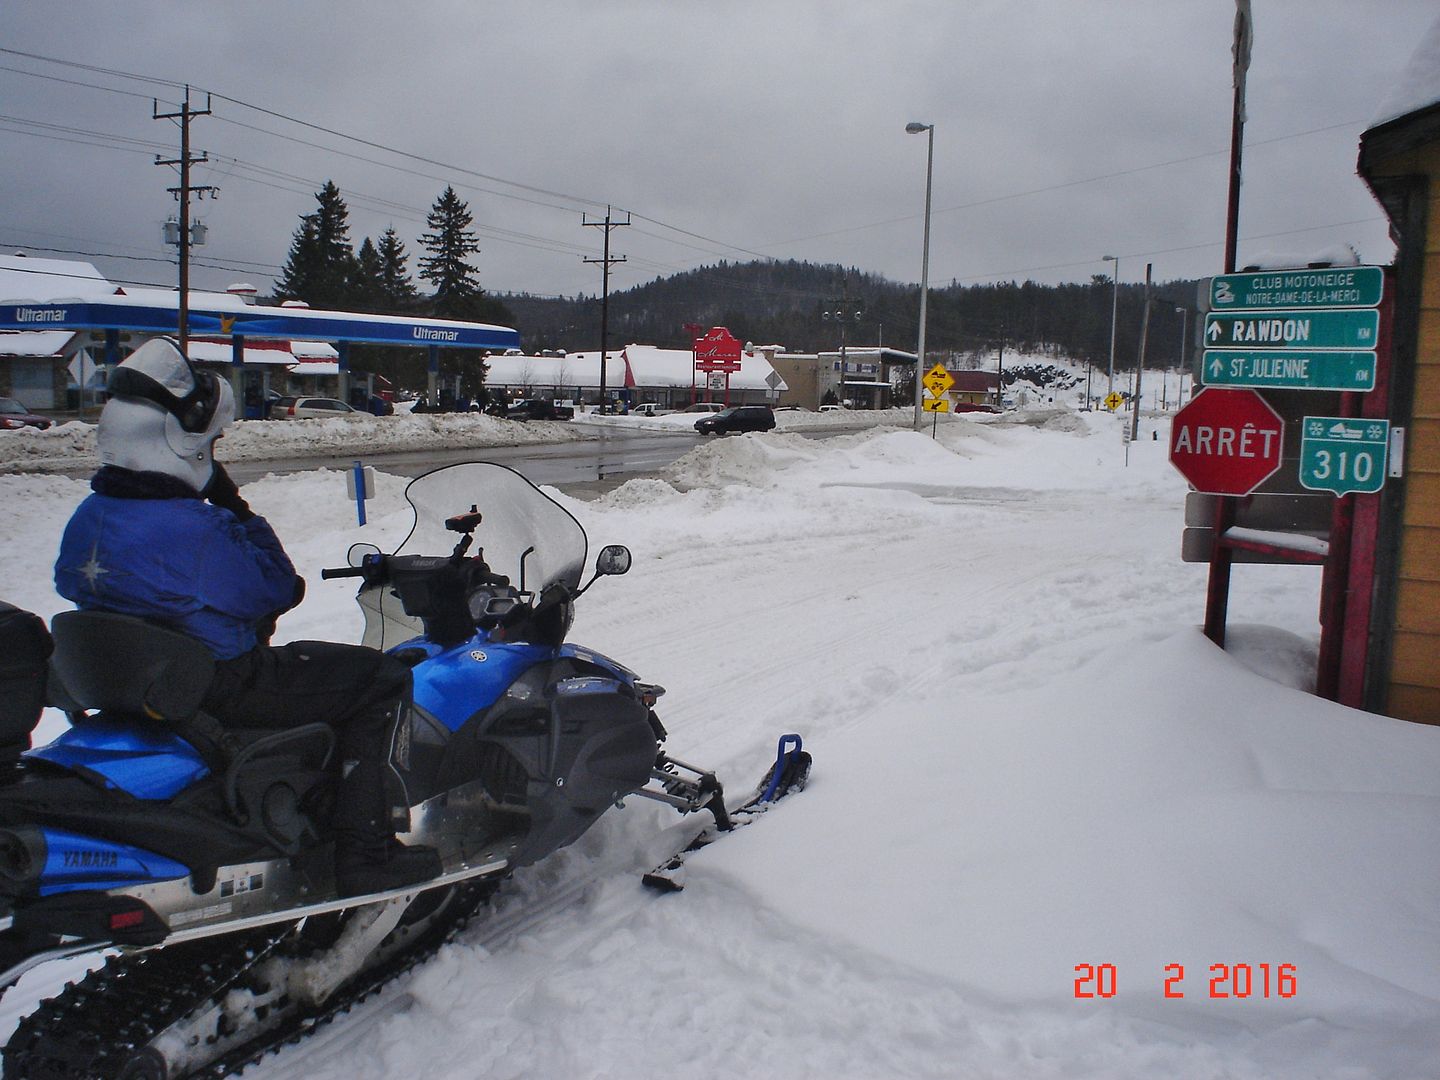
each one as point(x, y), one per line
point(15, 415)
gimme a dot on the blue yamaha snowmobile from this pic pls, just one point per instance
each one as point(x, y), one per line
point(197, 857)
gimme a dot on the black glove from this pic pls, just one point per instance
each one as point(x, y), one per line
point(222, 492)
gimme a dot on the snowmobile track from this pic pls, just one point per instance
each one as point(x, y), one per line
point(98, 1028)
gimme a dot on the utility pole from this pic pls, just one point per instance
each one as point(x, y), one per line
point(1000, 371)
point(842, 311)
point(1140, 362)
point(182, 195)
point(605, 260)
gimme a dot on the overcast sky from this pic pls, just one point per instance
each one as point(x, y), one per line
point(737, 129)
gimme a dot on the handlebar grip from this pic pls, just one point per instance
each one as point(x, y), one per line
point(343, 571)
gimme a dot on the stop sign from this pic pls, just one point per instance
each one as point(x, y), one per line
point(1226, 442)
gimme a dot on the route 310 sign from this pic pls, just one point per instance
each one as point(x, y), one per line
point(1343, 455)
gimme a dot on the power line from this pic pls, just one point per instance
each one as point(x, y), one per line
point(576, 199)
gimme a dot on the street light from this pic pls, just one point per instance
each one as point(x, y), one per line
point(915, 129)
point(1184, 318)
point(1114, 309)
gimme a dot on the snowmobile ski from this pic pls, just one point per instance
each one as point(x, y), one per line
point(789, 773)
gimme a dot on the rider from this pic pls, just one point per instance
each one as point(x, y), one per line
point(167, 536)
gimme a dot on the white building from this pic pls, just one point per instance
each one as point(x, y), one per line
point(640, 373)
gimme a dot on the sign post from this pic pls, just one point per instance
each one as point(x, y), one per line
point(938, 381)
point(1301, 328)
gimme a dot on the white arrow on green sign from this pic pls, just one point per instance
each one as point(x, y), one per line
point(1343, 455)
point(1292, 330)
point(1335, 286)
point(1281, 370)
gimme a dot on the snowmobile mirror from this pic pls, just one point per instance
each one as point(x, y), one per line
point(359, 552)
point(614, 559)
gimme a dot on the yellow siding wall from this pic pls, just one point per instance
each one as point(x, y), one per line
point(1415, 661)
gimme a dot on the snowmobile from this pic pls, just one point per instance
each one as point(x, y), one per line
point(194, 860)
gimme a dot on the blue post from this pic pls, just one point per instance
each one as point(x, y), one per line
point(360, 492)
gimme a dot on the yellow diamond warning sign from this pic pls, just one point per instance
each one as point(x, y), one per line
point(937, 380)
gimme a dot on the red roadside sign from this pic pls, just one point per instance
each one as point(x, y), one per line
point(1226, 442)
point(718, 350)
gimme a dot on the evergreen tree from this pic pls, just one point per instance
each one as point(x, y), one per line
point(367, 292)
point(449, 243)
point(396, 289)
point(321, 264)
point(302, 264)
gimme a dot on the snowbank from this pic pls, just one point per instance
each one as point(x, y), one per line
point(1027, 759)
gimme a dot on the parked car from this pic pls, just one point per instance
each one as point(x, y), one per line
point(539, 409)
point(737, 418)
point(832, 408)
point(651, 408)
point(309, 408)
point(704, 406)
point(15, 415)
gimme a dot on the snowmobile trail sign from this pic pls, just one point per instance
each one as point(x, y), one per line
point(1292, 330)
point(1327, 287)
point(1226, 442)
point(1281, 370)
point(1304, 329)
point(1342, 455)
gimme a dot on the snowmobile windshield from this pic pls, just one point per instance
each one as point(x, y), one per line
point(523, 533)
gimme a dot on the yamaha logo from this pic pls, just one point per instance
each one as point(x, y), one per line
point(478, 656)
point(91, 860)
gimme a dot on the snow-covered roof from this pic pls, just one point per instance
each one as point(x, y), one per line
point(634, 365)
point(1419, 84)
point(34, 342)
point(221, 352)
point(316, 367)
point(30, 280)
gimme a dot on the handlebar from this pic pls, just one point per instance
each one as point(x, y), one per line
point(343, 571)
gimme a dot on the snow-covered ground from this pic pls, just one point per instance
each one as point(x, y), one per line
point(1027, 759)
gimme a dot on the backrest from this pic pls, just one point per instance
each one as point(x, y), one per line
point(119, 662)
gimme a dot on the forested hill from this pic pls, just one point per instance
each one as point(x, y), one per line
point(794, 304)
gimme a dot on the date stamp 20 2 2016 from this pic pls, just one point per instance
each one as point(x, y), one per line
point(1228, 981)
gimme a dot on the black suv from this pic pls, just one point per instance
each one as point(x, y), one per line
point(737, 418)
point(538, 409)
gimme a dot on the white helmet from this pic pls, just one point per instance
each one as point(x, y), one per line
point(163, 415)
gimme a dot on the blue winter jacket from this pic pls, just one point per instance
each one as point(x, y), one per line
point(176, 560)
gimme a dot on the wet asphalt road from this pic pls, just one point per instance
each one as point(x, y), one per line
point(592, 465)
